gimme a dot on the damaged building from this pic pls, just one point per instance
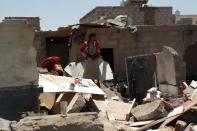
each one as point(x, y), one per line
point(145, 47)
point(117, 44)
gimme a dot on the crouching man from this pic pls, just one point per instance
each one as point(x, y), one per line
point(90, 49)
point(53, 65)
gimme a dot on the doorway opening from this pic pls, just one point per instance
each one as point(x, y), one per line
point(191, 63)
point(107, 54)
point(58, 46)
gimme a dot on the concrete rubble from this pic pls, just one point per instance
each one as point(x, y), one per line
point(121, 21)
point(149, 111)
point(88, 97)
point(74, 122)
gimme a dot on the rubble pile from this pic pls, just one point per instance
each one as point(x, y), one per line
point(85, 97)
point(71, 103)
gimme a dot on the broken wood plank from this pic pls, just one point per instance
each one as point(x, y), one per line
point(72, 102)
point(144, 128)
point(60, 97)
point(187, 105)
point(140, 123)
point(47, 100)
point(128, 115)
point(185, 85)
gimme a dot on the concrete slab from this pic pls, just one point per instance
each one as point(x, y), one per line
point(73, 122)
point(52, 83)
point(18, 65)
point(149, 111)
point(169, 66)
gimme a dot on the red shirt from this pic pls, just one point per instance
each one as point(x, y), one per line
point(85, 48)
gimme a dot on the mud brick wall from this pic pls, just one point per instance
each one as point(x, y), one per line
point(147, 40)
point(140, 15)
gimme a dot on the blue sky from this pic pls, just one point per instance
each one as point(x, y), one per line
point(56, 13)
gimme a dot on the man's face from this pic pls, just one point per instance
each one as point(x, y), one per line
point(93, 38)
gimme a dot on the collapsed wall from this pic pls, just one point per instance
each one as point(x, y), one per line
point(18, 57)
point(18, 69)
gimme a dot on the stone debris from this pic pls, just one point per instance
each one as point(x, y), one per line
point(73, 122)
point(87, 107)
point(162, 101)
point(149, 111)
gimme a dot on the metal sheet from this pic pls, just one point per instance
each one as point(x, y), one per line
point(51, 83)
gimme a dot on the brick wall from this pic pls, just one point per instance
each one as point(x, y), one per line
point(112, 12)
point(186, 19)
point(161, 15)
point(34, 21)
point(40, 46)
point(148, 39)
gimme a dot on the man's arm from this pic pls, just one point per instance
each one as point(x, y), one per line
point(98, 50)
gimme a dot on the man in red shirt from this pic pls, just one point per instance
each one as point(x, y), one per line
point(90, 49)
point(53, 66)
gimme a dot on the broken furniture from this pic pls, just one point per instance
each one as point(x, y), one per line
point(53, 85)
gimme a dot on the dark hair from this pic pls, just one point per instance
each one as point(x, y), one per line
point(92, 35)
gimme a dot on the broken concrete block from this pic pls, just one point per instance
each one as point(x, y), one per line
point(73, 122)
point(149, 111)
point(180, 125)
point(169, 70)
point(115, 112)
point(18, 56)
point(163, 129)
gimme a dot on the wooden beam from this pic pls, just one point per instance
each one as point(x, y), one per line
point(128, 115)
point(72, 102)
point(59, 97)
